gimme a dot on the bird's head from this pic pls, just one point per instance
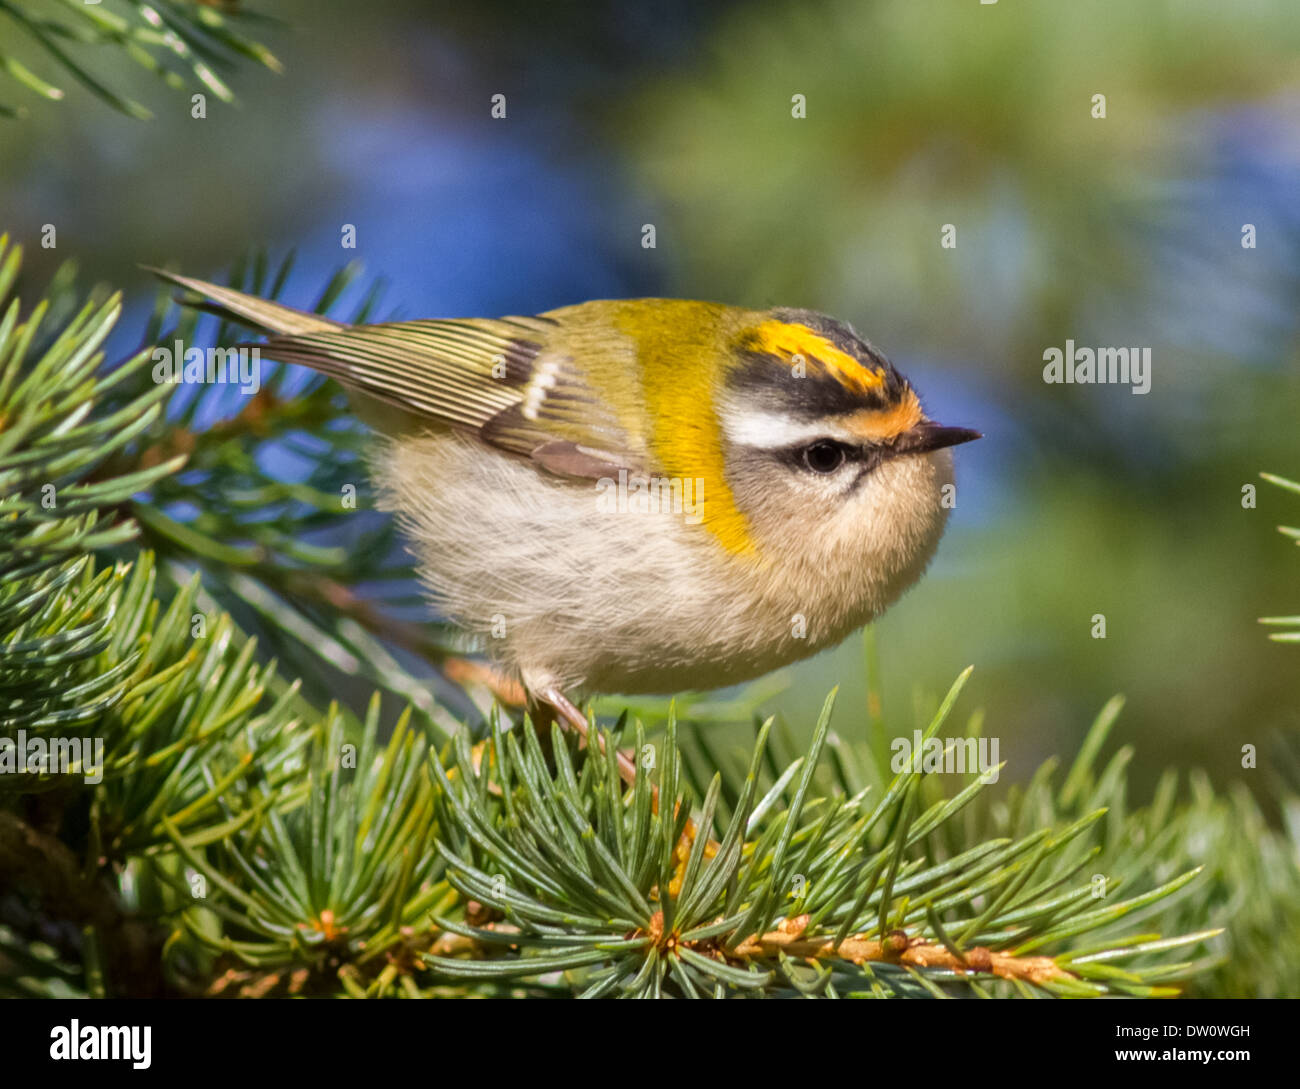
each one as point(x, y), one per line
point(830, 457)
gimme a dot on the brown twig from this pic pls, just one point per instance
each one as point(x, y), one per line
point(788, 939)
point(896, 948)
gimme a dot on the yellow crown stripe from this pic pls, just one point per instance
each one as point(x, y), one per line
point(791, 338)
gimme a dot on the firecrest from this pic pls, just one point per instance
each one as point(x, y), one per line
point(639, 495)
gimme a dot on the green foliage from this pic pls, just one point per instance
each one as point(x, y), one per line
point(887, 900)
point(184, 43)
point(244, 841)
point(988, 124)
point(1293, 532)
point(335, 881)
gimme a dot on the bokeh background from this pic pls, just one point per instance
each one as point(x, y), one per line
point(1118, 231)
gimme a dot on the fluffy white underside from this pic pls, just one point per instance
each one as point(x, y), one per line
point(561, 591)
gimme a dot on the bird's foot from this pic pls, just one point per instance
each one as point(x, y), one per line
point(570, 716)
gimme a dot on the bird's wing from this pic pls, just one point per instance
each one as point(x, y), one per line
point(491, 377)
point(238, 306)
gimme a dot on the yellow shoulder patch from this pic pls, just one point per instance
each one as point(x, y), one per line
point(791, 338)
point(676, 343)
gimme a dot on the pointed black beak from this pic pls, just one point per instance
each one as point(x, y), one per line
point(929, 435)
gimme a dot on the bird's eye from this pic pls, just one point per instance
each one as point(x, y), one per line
point(824, 456)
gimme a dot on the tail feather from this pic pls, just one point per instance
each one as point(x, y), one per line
point(270, 317)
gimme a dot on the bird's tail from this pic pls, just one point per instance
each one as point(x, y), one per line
point(261, 314)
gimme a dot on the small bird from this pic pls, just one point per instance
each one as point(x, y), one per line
point(638, 495)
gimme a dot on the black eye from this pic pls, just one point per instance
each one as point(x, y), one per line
point(824, 456)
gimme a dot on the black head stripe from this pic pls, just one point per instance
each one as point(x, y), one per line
point(811, 391)
point(807, 392)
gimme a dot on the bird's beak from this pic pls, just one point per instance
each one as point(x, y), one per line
point(929, 435)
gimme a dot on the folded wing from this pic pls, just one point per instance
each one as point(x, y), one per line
point(495, 378)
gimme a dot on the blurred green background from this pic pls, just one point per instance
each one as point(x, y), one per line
point(1122, 231)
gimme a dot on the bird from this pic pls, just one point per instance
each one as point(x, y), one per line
point(637, 496)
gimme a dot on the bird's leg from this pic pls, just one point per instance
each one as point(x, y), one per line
point(556, 702)
point(559, 703)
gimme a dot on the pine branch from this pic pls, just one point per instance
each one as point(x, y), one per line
point(576, 878)
point(184, 43)
point(147, 718)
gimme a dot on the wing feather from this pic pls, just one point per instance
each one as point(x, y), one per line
point(460, 376)
point(494, 377)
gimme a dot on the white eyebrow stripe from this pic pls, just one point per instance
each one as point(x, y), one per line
point(767, 429)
